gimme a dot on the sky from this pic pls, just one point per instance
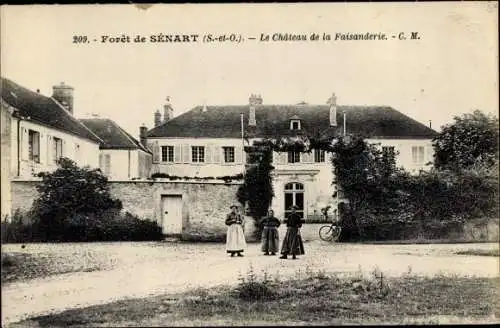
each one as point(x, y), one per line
point(452, 69)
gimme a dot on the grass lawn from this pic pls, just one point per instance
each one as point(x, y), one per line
point(316, 300)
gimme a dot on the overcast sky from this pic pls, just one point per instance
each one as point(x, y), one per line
point(451, 70)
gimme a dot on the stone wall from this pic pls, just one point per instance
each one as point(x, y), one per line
point(205, 204)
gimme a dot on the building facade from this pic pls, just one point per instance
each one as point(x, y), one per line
point(208, 141)
point(37, 131)
point(121, 156)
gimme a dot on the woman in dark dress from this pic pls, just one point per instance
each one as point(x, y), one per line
point(292, 244)
point(270, 236)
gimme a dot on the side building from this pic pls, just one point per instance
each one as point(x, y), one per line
point(121, 156)
point(36, 131)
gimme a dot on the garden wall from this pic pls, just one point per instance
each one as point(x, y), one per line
point(204, 203)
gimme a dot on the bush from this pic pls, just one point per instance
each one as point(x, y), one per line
point(110, 226)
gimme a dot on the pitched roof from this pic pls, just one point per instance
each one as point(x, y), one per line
point(113, 136)
point(42, 109)
point(274, 120)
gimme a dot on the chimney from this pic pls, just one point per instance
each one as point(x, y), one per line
point(64, 95)
point(254, 101)
point(430, 124)
point(168, 111)
point(143, 131)
point(333, 109)
point(157, 116)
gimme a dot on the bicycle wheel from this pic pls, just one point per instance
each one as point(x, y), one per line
point(326, 233)
point(336, 233)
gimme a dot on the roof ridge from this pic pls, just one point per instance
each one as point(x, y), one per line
point(73, 118)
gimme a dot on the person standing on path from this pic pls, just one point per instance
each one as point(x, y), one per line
point(235, 240)
point(270, 235)
point(292, 243)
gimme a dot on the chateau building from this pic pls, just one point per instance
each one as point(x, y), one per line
point(210, 141)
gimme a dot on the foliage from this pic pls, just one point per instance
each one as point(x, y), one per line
point(225, 178)
point(75, 204)
point(386, 202)
point(257, 188)
point(472, 139)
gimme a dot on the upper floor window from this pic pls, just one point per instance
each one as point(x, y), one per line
point(198, 154)
point(417, 154)
point(319, 156)
point(294, 124)
point(293, 157)
point(34, 146)
point(228, 154)
point(167, 153)
point(56, 149)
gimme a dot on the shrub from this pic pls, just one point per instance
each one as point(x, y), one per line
point(253, 288)
point(109, 226)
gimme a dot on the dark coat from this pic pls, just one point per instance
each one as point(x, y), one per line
point(270, 221)
point(233, 218)
point(294, 221)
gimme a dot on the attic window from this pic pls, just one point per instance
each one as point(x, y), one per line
point(294, 124)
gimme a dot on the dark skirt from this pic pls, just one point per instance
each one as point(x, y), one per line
point(292, 244)
point(270, 240)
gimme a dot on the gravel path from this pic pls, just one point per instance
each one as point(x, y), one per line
point(142, 269)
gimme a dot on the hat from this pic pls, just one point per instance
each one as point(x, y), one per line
point(233, 206)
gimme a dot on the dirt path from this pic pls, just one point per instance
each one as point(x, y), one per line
point(152, 268)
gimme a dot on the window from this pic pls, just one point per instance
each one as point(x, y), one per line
point(319, 156)
point(56, 149)
point(198, 154)
point(294, 125)
point(293, 157)
point(34, 146)
point(417, 154)
point(228, 154)
point(167, 153)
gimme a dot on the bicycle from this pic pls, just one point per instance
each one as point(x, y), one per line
point(330, 232)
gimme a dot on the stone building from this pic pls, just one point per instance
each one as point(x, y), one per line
point(210, 140)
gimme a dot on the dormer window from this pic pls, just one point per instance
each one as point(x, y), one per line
point(295, 123)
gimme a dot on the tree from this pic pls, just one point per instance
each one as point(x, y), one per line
point(257, 188)
point(471, 140)
point(70, 193)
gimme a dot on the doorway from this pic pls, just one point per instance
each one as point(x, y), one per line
point(172, 214)
point(294, 195)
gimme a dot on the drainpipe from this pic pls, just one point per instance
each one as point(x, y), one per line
point(129, 163)
point(19, 146)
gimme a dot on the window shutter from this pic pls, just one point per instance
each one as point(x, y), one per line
point(64, 150)
point(25, 144)
point(307, 157)
point(276, 157)
point(50, 147)
point(283, 157)
point(186, 155)
point(177, 154)
point(216, 155)
point(208, 153)
point(107, 159)
point(156, 152)
point(430, 154)
point(238, 158)
point(43, 148)
point(101, 162)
